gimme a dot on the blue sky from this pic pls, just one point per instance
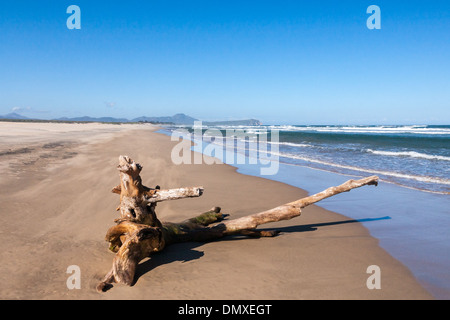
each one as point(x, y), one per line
point(287, 62)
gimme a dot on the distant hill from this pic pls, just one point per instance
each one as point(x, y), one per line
point(178, 119)
point(91, 119)
point(13, 116)
point(181, 118)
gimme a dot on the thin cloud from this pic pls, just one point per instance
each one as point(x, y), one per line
point(21, 109)
point(110, 104)
point(27, 110)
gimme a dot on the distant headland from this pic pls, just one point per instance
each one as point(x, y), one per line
point(177, 119)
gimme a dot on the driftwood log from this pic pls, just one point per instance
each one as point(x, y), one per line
point(138, 233)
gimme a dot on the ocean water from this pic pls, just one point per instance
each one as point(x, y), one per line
point(409, 212)
point(411, 156)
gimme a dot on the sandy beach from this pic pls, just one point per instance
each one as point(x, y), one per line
point(56, 206)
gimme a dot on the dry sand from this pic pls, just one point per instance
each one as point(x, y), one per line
point(56, 207)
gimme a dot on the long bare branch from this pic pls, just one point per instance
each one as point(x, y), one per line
point(332, 191)
point(293, 209)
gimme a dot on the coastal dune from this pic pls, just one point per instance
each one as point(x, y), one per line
point(57, 205)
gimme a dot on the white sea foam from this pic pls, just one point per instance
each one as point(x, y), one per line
point(412, 154)
point(291, 144)
point(330, 165)
point(412, 129)
point(372, 171)
point(368, 129)
point(426, 179)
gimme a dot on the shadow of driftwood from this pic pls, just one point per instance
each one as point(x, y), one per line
point(185, 251)
point(176, 252)
point(315, 226)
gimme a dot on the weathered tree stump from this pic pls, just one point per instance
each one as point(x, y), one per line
point(138, 232)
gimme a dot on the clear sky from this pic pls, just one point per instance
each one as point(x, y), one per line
point(287, 62)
